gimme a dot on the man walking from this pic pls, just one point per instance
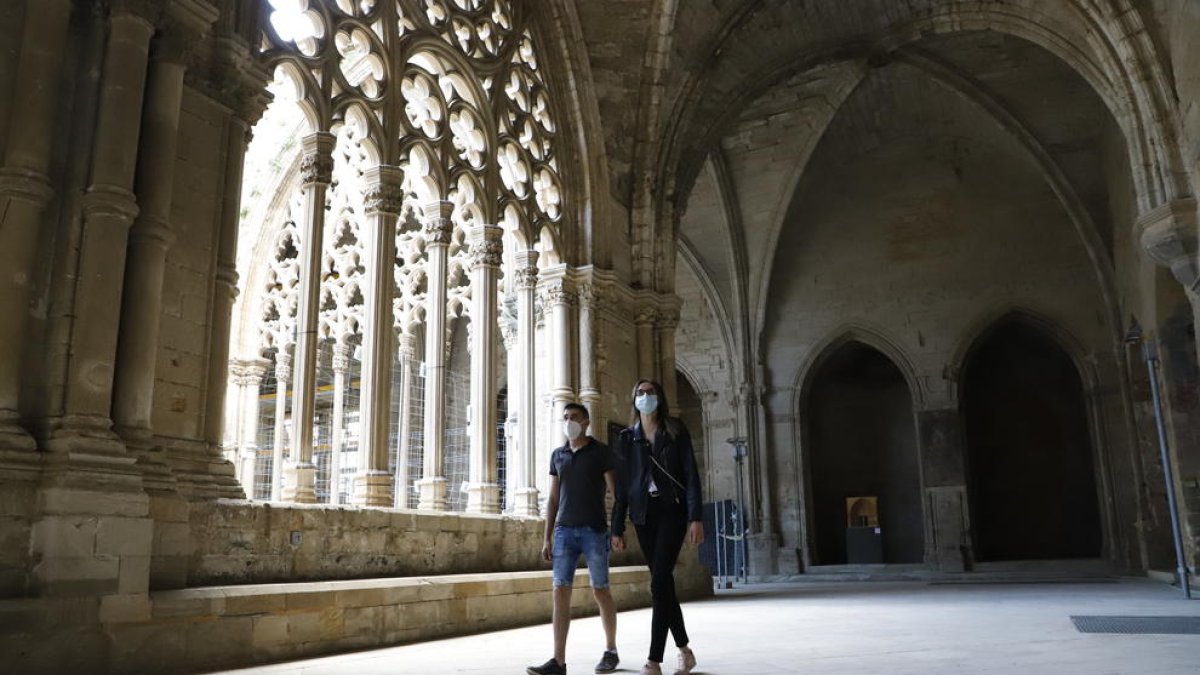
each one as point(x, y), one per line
point(577, 525)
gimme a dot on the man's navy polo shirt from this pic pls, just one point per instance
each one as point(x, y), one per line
point(581, 484)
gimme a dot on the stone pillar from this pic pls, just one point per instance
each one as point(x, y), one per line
point(93, 534)
point(150, 237)
point(558, 297)
point(24, 192)
point(483, 491)
point(589, 385)
point(526, 497)
point(644, 325)
point(668, 321)
point(405, 351)
point(373, 485)
point(109, 208)
point(316, 172)
point(247, 376)
point(437, 230)
point(943, 472)
point(283, 382)
point(341, 366)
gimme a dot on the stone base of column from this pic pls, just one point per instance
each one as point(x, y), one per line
point(760, 554)
point(948, 548)
point(12, 435)
point(483, 497)
point(151, 460)
point(432, 493)
point(93, 535)
point(526, 503)
point(91, 434)
point(373, 488)
point(300, 483)
point(200, 474)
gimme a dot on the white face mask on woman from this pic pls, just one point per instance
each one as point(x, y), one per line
point(572, 429)
point(646, 403)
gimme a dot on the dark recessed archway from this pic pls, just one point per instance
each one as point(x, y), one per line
point(863, 443)
point(1031, 477)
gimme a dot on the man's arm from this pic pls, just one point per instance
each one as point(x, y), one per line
point(551, 516)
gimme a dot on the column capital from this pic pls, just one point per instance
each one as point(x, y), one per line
point(247, 372)
point(645, 316)
point(667, 319)
point(341, 357)
point(1168, 234)
point(525, 276)
point(283, 364)
point(385, 192)
point(486, 247)
point(317, 165)
point(587, 296)
point(182, 28)
point(435, 222)
point(406, 346)
point(557, 291)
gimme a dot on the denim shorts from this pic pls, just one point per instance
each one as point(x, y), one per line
point(572, 542)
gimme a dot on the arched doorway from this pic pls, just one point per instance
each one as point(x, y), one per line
point(863, 444)
point(1031, 478)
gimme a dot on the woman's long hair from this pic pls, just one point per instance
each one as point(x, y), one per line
point(663, 410)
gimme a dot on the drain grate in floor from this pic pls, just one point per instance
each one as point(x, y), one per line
point(1138, 625)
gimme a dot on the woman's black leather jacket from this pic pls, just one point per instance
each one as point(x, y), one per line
point(672, 448)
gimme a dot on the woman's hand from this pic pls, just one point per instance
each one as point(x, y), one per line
point(618, 543)
point(696, 532)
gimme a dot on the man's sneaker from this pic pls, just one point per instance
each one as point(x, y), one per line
point(550, 667)
point(687, 661)
point(608, 662)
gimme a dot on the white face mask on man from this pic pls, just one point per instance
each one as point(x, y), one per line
point(572, 429)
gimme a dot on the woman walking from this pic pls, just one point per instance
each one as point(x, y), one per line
point(660, 490)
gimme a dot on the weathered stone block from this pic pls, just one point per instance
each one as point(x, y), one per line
point(270, 630)
point(134, 575)
point(65, 536)
point(124, 608)
point(124, 536)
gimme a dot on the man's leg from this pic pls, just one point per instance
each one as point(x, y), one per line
point(562, 621)
point(608, 615)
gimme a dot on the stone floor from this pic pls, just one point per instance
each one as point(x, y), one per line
point(841, 628)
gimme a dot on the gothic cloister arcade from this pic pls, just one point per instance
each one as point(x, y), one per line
point(294, 292)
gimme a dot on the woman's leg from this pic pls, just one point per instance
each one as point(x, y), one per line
point(660, 539)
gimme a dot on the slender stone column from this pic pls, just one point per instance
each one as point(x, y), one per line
point(382, 203)
point(559, 297)
point(247, 376)
point(405, 351)
point(24, 192)
point(589, 386)
point(526, 498)
point(341, 366)
point(283, 382)
point(149, 239)
point(483, 491)
point(109, 208)
point(668, 321)
point(437, 230)
point(316, 172)
point(644, 325)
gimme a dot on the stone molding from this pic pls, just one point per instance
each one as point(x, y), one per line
point(1168, 234)
point(110, 200)
point(26, 185)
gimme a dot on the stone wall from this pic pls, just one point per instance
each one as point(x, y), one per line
point(241, 542)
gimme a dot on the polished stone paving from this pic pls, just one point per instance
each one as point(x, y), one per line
point(840, 628)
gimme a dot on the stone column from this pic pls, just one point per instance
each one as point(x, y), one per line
point(483, 491)
point(341, 366)
point(644, 325)
point(316, 172)
point(405, 351)
point(109, 208)
point(668, 321)
point(373, 485)
point(589, 385)
point(437, 230)
point(559, 297)
point(24, 192)
point(246, 375)
point(150, 237)
point(283, 382)
point(944, 477)
point(526, 498)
